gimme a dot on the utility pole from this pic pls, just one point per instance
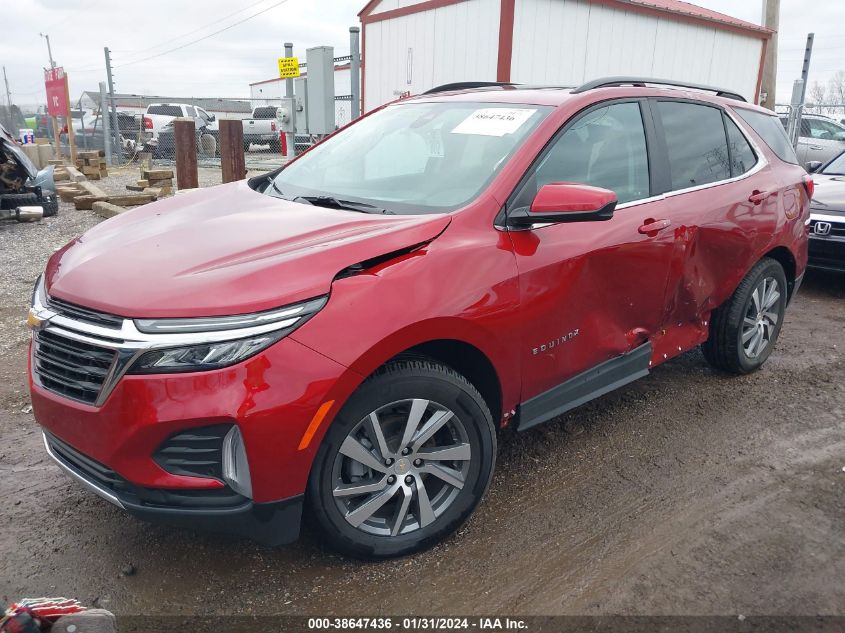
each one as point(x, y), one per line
point(290, 137)
point(355, 70)
point(112, 111)
point(56, 135)
point(8, 94)
point(768, 86)
point(49, 50)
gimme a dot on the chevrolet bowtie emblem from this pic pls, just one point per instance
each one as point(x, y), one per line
point(33, 320)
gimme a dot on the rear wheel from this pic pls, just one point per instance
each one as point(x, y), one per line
point(405, 462)
point(744, 330)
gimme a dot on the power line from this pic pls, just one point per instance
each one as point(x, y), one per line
point(204, 37)
point(196, 30)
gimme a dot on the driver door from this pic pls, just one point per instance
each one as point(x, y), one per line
point(592, 292)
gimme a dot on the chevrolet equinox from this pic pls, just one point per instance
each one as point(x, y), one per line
point(347, 334)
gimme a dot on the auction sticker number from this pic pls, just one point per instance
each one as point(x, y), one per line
point(494, 121)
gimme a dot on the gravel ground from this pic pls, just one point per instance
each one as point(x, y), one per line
point(688, 492)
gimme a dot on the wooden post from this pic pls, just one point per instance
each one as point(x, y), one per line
point(71, 136)
point(232, 150)
point(185, 136)
point(57, 137)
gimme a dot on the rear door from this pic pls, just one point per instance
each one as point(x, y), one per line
point(724, 206)
point(592, 291)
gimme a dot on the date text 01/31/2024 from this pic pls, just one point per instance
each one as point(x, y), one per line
point(417, 624)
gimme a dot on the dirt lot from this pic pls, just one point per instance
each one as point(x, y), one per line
point(688, 492)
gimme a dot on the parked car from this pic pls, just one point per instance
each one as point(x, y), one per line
point(349, 332)
point(827, 215)
point(22, 184)
point(820, 138)
point(159, 118)
point(262, 128)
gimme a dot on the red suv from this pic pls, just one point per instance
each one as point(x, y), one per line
point(349, 333)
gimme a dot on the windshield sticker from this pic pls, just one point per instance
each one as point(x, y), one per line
point(494, 121)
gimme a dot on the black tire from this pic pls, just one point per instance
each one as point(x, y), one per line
point(15, 200)
point(724, 349)
point(276, 146)
point(50, 204)
point(247, 145)
point(398, 381)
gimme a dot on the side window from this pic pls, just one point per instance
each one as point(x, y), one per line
point(695, 142)
point(742, 156)
point(605, 148)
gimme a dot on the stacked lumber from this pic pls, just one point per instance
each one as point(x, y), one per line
point(158, 179)
point(85, 195)
point(92, 163)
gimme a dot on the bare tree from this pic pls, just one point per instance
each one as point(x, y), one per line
point(836, 87)
point(817, 95)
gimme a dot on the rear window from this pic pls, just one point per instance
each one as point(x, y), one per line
point(770, 129)
point(167, 110)
point(264, 113)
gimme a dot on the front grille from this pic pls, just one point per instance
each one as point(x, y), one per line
point(70, 368)
point(196, 452)
point(128, 493)
point(837, 229)
point(85, 315)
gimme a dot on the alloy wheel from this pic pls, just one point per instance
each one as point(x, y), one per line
point(401, 467)
point(761, 317)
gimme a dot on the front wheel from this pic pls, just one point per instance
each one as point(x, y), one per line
point(405, 462)
point(744, 330)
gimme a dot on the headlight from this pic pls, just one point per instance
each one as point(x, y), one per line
point(205, 343)
point(201, 357)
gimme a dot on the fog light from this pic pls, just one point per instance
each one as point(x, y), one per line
point(235, 464)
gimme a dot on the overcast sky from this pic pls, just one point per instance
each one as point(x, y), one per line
point(225, 64)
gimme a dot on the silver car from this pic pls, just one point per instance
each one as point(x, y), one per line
point(820, 138)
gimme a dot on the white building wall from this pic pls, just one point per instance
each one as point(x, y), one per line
point(412, 53)
point(567, 42)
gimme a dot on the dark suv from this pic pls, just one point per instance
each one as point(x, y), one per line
point(349, 333)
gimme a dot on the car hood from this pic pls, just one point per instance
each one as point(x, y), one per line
point(829, 194)
point(223, 250)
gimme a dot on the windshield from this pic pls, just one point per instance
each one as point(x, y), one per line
point(836, 167)
point(413, 157)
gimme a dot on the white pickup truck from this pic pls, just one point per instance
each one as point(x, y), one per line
point(158, 115)
point(158, 120)
point(262, 128)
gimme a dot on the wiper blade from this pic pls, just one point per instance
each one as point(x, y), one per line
point(334, 203)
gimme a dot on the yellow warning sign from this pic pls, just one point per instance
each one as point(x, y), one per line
point(288, 67)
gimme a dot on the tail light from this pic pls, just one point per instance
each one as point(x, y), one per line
point(272, 126)
point(810, 186)
point(148, 123)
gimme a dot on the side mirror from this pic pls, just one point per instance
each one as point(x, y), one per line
point(212, 117)
point(566, 202)
point(813, 166)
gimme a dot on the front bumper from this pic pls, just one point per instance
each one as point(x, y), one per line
point(270, 524)
point(272, 398)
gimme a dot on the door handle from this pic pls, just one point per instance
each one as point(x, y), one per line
point(758, 196)
point(816, 147)
point(650, 226)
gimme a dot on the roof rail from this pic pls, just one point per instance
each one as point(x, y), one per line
point(606, 82)
point(464, 85)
